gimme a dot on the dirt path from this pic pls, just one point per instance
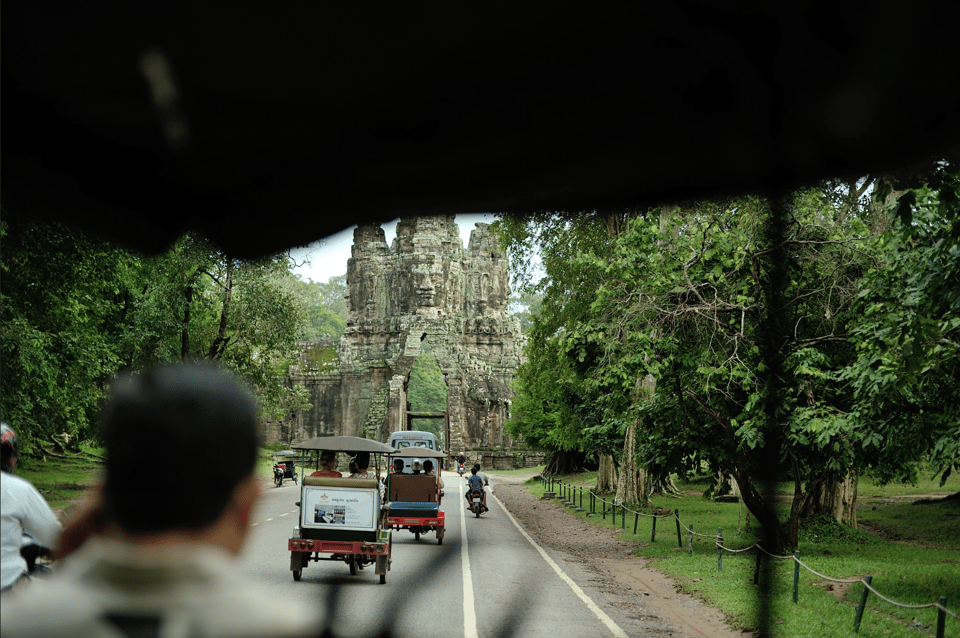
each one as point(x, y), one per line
point(600, 550)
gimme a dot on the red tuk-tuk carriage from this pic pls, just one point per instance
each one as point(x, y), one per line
point(414, 498)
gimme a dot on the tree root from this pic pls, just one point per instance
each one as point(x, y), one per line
point(73, 457)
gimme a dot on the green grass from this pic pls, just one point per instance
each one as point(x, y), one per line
point(905, 573)
point(62, 481)
point(525, 470)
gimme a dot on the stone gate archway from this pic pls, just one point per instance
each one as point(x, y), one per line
point(424, 285)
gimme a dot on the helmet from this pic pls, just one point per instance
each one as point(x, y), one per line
point(8, 447)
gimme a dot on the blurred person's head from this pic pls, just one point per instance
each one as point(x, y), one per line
point(9, 451)
point(428, 466)
point(363, 461)
point(154, 417)
point(398, 465)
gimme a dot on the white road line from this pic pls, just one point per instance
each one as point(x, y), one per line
point(469, 611)
point(592, 606)
point(285, 513)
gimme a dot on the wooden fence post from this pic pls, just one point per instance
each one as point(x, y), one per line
point(863, 604)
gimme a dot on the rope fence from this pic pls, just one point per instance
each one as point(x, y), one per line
point(569, 494)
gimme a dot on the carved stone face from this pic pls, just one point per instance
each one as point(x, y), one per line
point(426, 291)
point(428, 285)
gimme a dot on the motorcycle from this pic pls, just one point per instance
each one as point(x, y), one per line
point(461, 468)
point(277, 475)
point(476, 502)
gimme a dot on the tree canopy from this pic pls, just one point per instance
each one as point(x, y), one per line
point(427, 392)
point(822, 348)
point(75, 310)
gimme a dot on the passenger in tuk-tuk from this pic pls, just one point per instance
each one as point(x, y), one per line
point(328, 460)
point(428, 470)
point(362, 462)
point(397, 467)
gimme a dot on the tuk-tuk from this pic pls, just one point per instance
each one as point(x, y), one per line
point(284, 467)
point(414, 497)
point(341, 519)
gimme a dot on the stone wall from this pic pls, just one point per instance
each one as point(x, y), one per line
point(425, 286)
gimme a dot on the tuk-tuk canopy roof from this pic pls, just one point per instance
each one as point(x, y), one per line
point(344, 444)
point(419, 453)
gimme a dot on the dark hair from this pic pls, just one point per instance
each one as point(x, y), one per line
point(427, 465)
point(362, 460)
point(158, 416)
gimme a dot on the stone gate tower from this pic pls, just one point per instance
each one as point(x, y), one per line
point(425, 286)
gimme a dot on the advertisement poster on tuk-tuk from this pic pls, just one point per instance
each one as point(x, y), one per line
point(338, 508)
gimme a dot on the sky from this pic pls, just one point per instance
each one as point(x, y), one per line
point(328, 257)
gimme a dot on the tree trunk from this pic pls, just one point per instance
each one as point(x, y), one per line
point(565, 462)
point(185, 326)
point(220, 342)
point(607, 475)
point(765, 514)
point(724, 485)
point(832, 495)
point(633, 484)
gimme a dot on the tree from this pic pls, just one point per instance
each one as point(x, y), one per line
point(908, 320)
point(696, 317)
point(194, 302)
point(324, 304)
point(427, 393)
point(61, 302)
point(524, 307)
point(554, 410)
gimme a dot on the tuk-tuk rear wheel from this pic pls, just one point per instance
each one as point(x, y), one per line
point(383, 579)
point(353, 564)
point(297, 573)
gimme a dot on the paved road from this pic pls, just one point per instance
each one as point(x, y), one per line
point(487, 577)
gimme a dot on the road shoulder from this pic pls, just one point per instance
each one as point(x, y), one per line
point(644, 592)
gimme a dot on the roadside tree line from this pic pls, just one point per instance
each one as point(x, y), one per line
point(808, 336)
point(76, 309)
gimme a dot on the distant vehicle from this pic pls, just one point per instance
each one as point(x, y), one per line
point(413, 438)
point(284, 467)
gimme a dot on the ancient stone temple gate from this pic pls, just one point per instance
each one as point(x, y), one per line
point(424, 287)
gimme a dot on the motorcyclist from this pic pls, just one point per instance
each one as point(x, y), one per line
point(475, 483)
point(461, 463)
point(22, 509)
